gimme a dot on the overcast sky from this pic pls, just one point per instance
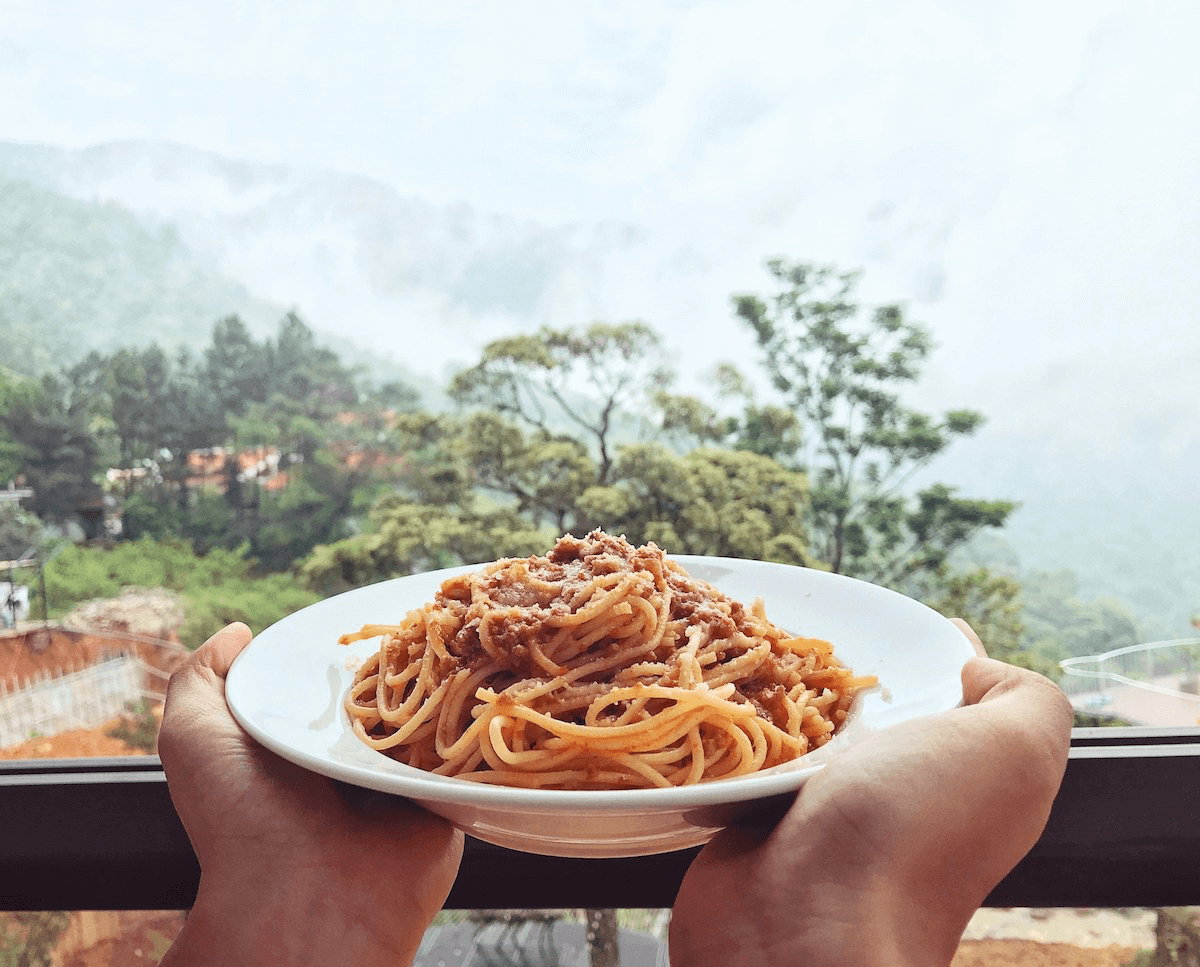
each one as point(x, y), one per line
point(1023, 173)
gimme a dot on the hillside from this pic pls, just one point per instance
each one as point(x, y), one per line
point(77, 276)
point(125, 242)
point(410, 279)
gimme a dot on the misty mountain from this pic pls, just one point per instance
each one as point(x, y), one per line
point(126, 242)
point(355, 257)
point(77, 276)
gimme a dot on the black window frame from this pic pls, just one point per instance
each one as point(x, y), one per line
point(102, 834)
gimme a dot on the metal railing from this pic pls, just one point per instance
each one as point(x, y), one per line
point(102, 834)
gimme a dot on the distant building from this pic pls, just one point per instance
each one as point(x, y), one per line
point(208, 469)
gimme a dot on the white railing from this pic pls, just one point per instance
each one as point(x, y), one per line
point(55, 702)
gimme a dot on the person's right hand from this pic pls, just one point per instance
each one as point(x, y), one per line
point(889, 850)
point(291, 872)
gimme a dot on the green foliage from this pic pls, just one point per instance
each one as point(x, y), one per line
point(709, 501)
point(81, 276)
point(841, 369)
point(991, 604)
point(19, 531)
point(283, 395)
point(144, 516)
point(543, 474)
point(132, 396)
point(560, 378)
point(766, 429)
point(1097, 720)
point(408, 538)
point(217, 587)
point(28, 939)
point(1061, 625)
point(137, 728)
point(287, 525)
point(55, 449)
point(12, 453)
point(257, 601)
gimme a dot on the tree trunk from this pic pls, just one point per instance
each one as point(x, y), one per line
point(1177, 937)
point(602, 938)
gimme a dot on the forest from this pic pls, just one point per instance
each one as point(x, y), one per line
point(254, 476)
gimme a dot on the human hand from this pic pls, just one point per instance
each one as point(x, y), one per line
point(889, 850)
point(291, 873)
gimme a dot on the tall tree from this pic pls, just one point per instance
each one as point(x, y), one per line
point(300, 369)
point(12, 389)
point(842, 367)
point(235, 368)
point(568, 381)
point(58, 453)
point(129, 392)
point(709, 501)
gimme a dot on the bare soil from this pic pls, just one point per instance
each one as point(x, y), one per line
point(74, 743)
point(1031, 953)
point(140, 621)
point(143, 938)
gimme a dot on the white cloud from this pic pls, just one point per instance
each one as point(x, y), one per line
point(1023, 173)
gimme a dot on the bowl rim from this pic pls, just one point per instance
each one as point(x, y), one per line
point(421, 786)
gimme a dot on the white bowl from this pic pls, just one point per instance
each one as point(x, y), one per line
point(287, 688)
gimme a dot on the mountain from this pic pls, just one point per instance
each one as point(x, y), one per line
point(126, 242)
point(415, 281)
point(77, 276)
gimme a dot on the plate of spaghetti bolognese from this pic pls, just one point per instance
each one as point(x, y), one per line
point(601, 700)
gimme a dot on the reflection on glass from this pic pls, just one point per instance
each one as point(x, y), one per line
point(1154, 684)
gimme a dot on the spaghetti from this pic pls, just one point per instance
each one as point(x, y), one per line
point(600, 665)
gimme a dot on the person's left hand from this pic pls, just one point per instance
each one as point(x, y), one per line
point(887, 851)
point(291, 872)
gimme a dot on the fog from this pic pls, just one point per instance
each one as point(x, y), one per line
point(1024, 176)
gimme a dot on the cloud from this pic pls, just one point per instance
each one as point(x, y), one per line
point(1022, 174)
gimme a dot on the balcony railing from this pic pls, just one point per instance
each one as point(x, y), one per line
point(102, 834)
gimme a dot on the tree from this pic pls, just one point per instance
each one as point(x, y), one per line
point(13, 388)
point(407, 538)
point(58, 453)
point(603, 932)
point(19, 531)
point(544, 474)
point(235, 369)
point(1059, 624)
point(841, 369)
point(766, 429)
point(299, 369)
point(568, 379)
point(128, 392)
point(709, 501)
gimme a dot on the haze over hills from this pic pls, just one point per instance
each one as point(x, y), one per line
point(77, 276)
point(129, 241)
point(403, 277)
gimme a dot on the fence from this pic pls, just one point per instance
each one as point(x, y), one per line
point(85, 698)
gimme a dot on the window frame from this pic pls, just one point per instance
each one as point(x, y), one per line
point(102, 834)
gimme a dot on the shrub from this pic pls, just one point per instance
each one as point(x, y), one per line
point(217, 587)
